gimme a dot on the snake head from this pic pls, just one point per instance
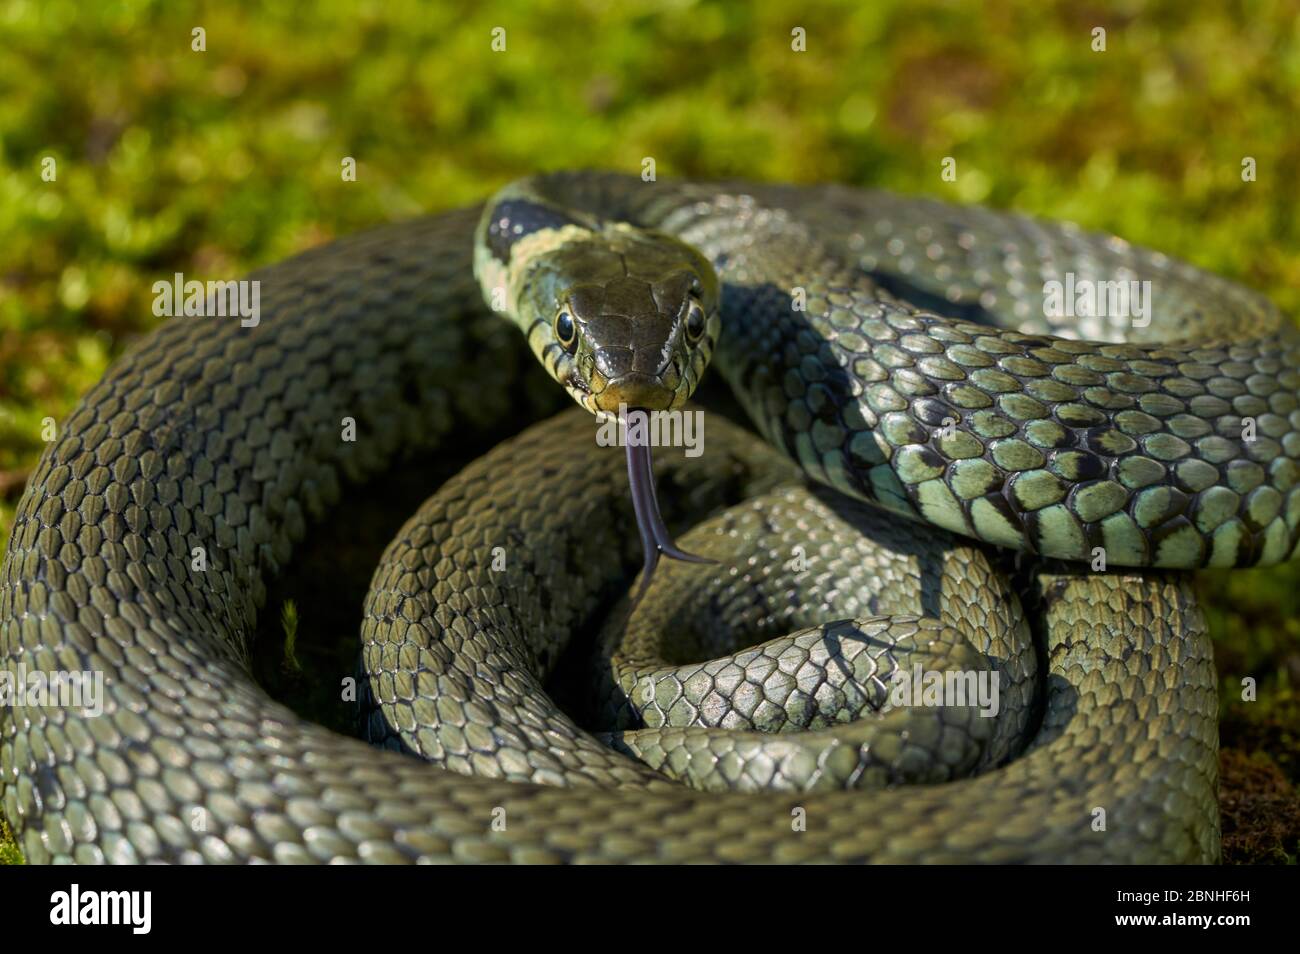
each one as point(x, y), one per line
point(638, 319)
point(617, 314)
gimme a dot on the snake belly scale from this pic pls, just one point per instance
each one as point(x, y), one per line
point(920, 417)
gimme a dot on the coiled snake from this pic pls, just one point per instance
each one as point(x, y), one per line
point(897, 350)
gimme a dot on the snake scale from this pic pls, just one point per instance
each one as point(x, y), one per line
point(922, 415)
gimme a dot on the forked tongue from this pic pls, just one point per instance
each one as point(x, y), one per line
point(655, 539)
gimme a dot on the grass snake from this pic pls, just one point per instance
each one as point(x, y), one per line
point(922, 416)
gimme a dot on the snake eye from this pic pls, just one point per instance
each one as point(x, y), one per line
point(695, 322)
point(566, 331)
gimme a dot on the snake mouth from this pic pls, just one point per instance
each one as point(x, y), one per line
point(656, 541)
point(638, 392)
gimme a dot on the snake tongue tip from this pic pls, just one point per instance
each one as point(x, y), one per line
point(673, 552)
point(656, 541)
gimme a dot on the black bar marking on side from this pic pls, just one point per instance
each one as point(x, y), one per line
point(512, 219)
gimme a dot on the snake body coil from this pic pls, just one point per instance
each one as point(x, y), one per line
point(891, 348)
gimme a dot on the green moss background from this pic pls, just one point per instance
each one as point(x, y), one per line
point(214, 162)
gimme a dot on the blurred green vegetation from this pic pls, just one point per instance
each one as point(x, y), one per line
point(214, 162)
